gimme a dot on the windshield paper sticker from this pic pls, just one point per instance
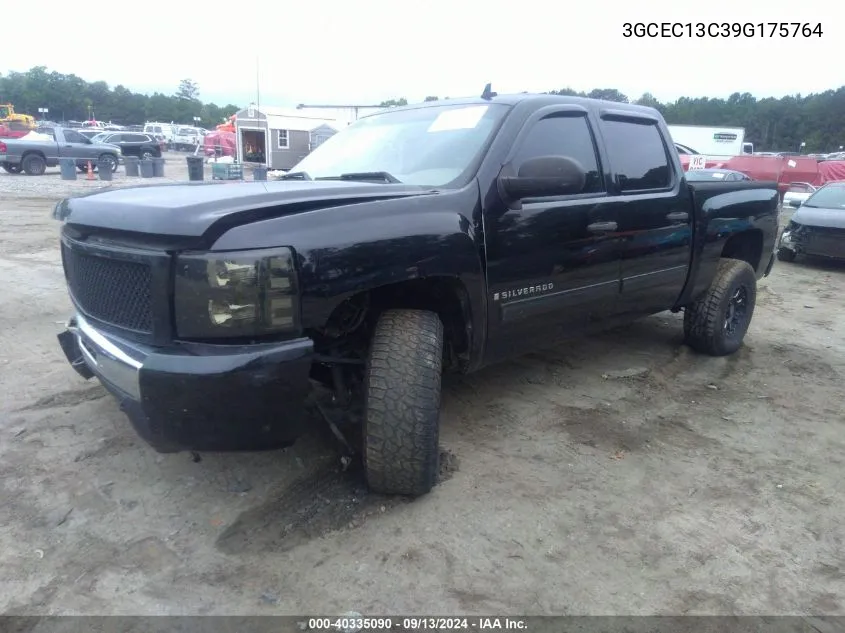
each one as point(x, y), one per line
point(697, 162)
point(460, 119)
point(791, 163)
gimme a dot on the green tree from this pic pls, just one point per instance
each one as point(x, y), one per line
point(69, 97)
point(771, 124)
point(188, 90)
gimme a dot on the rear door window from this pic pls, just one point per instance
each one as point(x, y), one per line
point(74, 137)
point(637, 155)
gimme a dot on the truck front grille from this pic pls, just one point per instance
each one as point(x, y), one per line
point(115, 291)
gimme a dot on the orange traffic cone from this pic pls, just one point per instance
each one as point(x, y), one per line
point(90, 171)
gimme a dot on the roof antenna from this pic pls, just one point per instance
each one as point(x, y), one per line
point(488, 92)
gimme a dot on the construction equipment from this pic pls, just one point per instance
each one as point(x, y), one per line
point(8, 115)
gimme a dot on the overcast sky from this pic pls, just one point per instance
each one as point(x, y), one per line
point(323, 51)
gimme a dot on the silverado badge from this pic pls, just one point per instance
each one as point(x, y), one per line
point(527, 291)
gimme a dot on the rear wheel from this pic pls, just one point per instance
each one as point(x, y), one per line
point(402, 403)
point(786, 254)
point(717, 322)
point(34, 165)
point(147, 154)
point(11, 168)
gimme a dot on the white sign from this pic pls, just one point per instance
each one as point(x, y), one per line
point(791, 163)
point(697, 162)
point(459, 119)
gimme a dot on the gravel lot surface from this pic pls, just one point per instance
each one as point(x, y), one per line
point(622, 474)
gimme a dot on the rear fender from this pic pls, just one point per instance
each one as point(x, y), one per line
point(719, 216)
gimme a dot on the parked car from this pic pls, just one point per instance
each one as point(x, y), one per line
point(187, 138)
point(817, 227)
point(131, 143)
point(715, 175)
point(797, 193)
point(165, 129)
point(443, 236)
point(90, 134)
point(33, 157)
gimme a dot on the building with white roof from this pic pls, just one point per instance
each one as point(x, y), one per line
point(279, 138)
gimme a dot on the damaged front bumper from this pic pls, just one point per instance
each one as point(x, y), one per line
point(814, 241)
point(196, 396)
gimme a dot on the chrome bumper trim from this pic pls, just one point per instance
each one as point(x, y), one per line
point(107, 358)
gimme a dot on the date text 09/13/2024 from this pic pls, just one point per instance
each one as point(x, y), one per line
point(722, 29)
point(416, 623)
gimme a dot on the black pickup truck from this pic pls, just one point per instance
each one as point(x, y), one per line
point(437, 237)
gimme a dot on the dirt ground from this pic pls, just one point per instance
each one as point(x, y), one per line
point(622, 474)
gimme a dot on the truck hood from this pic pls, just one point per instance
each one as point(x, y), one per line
point(817, 216)
point(191, 210)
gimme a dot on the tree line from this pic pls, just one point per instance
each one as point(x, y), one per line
point(71, 98)
point(818, 120)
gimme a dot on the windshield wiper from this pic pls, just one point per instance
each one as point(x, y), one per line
point(296, 175)
point(382, 176)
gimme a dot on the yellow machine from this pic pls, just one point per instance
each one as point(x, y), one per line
point(7, 115)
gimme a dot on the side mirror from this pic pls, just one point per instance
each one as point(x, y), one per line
point(544, 176)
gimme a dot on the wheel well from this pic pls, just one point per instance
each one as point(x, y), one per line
point(446, 296)
point(32, 152)
point(746, 246)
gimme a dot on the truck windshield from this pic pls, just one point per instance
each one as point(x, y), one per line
point(428, 146)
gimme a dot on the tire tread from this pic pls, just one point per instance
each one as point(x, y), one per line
point(402, 408)
point(703, 319)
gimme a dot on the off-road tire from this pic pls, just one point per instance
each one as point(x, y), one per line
point(34, 165)
point(786, 255)
point(11, 168)
point(402, 403)
point(704, 320)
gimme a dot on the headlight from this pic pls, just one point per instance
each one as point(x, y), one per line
point(60, 210)
point(235, 293)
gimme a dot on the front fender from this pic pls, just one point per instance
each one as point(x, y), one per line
point(342, 251)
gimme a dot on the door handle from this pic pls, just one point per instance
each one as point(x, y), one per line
point(601, 227)
point(678, 216)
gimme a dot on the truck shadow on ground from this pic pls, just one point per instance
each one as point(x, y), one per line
point(326, 500)
point(330, 499)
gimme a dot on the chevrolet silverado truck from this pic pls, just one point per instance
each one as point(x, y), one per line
point(433, 238)
point(33, 157)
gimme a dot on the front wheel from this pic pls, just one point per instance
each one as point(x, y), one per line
point(716, 323)
point(402, 403)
